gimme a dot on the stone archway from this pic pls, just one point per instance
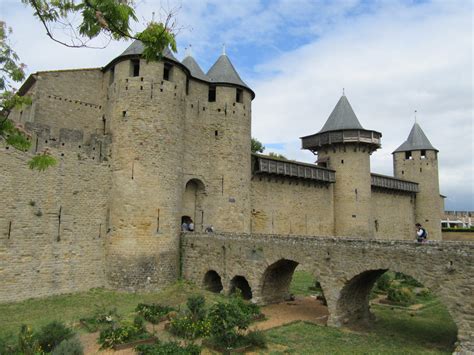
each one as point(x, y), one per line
point(212, 282)
point(353, 303)
point(276, 281)
point(193, 202)
point(240, 283)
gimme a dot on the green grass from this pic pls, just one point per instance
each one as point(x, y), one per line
point(396, 331)
point(70, 308)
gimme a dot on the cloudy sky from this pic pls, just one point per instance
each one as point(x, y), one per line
point(392, 57)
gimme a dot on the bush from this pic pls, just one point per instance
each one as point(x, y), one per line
point(257, 338)
point(122, 333)
point(196, 305)
point(186, 327)
point(102, 317)
point(383, 282)
point(170, 348)
point(52, 334)
point(407, 280)
point(27, 343)
point(69, 347)
point(403, 296)
point(153, 312)
point(227, 320)
point(247, 308)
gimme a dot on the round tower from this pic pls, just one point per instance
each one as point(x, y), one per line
point(145, 117)
point(345, 146)
point(417, 160)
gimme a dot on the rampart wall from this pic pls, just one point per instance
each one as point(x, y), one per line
point(310, 202)
point(393, 214)
point(52, 225)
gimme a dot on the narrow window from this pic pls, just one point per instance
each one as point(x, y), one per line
point(423, 154)
point(187, 86)
point(112, 75)
point(408, 155)
point(135, 67)
point(212, 93)
point(167, 71)
point(239, 95)
point(216, 133)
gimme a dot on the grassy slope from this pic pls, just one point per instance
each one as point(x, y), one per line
point(71, 307)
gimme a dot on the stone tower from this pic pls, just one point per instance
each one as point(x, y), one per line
point(417, 160)
point(345, 146)
point(180, 149)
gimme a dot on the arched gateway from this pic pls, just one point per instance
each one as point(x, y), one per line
point(346, 269)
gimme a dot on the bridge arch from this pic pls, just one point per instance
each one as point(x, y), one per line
point(240, 283)
point(276, 279)
point(212, 281)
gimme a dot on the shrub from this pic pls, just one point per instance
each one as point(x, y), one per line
point(186, 327)
point(153, 312)
point(196, 305)
point(227, 320)
point(52, 334)
point(170, 348)
point(407, 280)
point(247, 308)
point(257, 338)
point(27, 343)
point(71, 346)
point(403, 296)
point(122, 333)
point(101, 318)
point(383, 282)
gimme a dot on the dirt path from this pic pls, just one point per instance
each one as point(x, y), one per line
point(307, 309)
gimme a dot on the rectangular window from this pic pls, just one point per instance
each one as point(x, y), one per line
point(167, 71)
point(423, 154)
point(187, 86)
point(239, 95)
point(408, 155)
point(135, 67)
point(112, 75)
point(212, 93)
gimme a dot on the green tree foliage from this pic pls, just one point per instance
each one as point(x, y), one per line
point(113, 19)
point(256, 146)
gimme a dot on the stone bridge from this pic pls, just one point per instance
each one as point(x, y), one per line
point(262, 267)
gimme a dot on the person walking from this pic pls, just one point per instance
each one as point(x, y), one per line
point(421, 233)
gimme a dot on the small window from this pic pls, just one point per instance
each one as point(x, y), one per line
point(167, 71)
point(408, 155)
point(423, 154)
point(187, 86)
point(239, 95)
point(135, 67)
point(212, 93)
point(112, 75)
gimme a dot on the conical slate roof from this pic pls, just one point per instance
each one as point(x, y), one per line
point(224, 72)
point(194, 68)
point(342, 117)
point(416, 140)
point(137, 48)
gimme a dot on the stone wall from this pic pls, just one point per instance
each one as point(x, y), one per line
point(393, 214)
point(310, 203)
point(52, 225)
point(346, 268)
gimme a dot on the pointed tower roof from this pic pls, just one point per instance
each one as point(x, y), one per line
point(224, 72)
point(137, 48)
point(342, 127)
point(416, 140)
point(342, 117)
point(194, 68)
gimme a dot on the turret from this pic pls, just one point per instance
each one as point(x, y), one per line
point(345, 146)
point(417, 160)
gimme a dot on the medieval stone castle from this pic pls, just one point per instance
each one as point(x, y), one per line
point(141, 145)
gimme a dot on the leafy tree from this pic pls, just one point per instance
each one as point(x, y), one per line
point(85, 20)
point(256, 146)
